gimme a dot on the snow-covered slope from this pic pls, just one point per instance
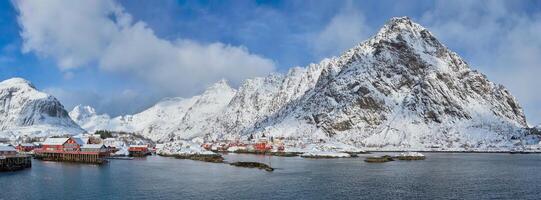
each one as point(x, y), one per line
point(165, 120)
point(88, 119)
point(401, 89)
point(27, 112)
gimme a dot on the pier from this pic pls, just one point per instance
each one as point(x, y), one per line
point(76, 156)
point(15, 162)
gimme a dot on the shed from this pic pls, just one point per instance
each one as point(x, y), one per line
point(7, 150)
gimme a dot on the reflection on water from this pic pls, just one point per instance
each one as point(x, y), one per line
point(440, 176)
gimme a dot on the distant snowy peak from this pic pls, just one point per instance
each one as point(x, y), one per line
point(25, 111)
point(88, 119)
point(80, 112)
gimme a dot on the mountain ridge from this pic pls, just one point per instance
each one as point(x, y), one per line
point(401, 88)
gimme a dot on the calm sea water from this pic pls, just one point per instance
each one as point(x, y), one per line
point(441, 176)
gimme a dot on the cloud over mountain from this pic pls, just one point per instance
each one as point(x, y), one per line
point(101, 33)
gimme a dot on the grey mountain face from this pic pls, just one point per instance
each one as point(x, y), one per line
point(24, 111)
point(401, 88)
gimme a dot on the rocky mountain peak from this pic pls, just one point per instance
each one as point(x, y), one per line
point(81, 112)
point(17, 83)
point(25, 111)
point(220, 86)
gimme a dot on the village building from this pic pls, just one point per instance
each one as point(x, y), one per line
point(26, 147)
point(70, 149)
point(139, 150)
point(100, 148)
point(7, 150)
point(82, 140)
point(10, 160)
point(110, 142)
point(262, 145)
point(54, 144)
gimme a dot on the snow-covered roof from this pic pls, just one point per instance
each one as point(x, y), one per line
point(27, 145)
point(7, 148)
point(92, 146)
point(55, 141)
point(139, 146)
point(81, 140)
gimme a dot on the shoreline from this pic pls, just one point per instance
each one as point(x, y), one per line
point(426, 151)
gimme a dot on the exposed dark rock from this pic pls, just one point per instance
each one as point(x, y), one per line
point(253, 165)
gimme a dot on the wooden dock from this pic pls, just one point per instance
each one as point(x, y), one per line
point(75, 156)
point(15, 162)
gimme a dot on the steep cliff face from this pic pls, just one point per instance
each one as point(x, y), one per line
point(25, 111)
point(403, 88)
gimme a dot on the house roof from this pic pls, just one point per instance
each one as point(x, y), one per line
point(81, 140)
point(92, 146)
point(55, 141)
point(139, 146)
point(27, 145)
point(7, 148)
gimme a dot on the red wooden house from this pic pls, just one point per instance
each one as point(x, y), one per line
point(26, 147)
point(54, 144)
point(139, 150)
point(262, 145)
point(70, 149)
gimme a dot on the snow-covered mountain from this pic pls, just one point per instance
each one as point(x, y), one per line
point(88, 119)
point(401, 89)
point(27, 112)
point(161, 121)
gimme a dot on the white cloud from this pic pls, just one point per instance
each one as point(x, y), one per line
point(87, 33)
point(346, 29)
point(502, 42)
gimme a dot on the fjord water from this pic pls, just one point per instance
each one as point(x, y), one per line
point(440, 176)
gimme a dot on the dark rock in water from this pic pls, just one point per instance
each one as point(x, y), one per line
point(381, 159)
point(410, 157)
point(285, 154)
point(199, 157)
point(253, 165)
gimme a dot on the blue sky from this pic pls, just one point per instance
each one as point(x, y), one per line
point(122, 56)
